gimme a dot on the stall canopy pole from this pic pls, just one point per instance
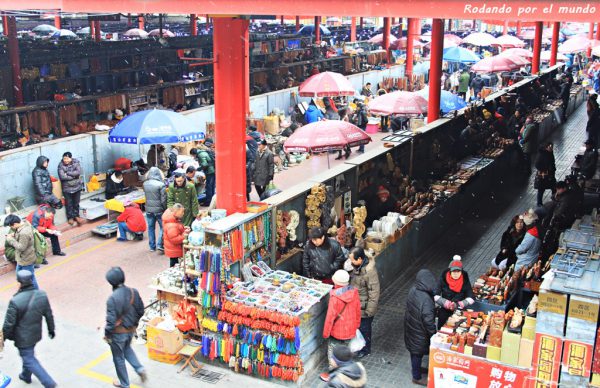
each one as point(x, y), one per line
point(57, 21)
point(435, 69)
point(232, 94)
point(518, 28)
point(5, 25)
point(505, 28)
point(15, 60)
point(128, 21)
point(353, 29)
point(386, 38)
point(97, 31)
point(361, 23)
point(413, 28)
point(193, 25)
point(141, 22)
point(160, 25)
point(537, 47)
point(297, 23)
point(590, 36)
point(317, 29)
point(554, 47)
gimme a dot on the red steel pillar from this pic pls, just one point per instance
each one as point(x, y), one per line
point(57, 22)
point(297, 23)
point(97, 31)
point(317, 29)
point(413, 28)
point(361, 22)
point(353, 30)
point(193, 25)
point(141, 22)
point(554, 47)
point(505, 28)
point(518, 28)
point(282, 21)
point(128, 20)
point(232, 98)
point(537, 48)
point(590, 36)
point(435, 69)
point(92, 25)
point(5, 25)
point(386, 38)
point(15, 60)
point(598, 32)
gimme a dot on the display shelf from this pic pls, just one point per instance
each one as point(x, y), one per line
point(254, 249)
point(291, 253)
point(193, 272)
point(231, 222)
point(160, 289)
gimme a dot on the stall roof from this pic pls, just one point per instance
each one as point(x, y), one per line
point(524, 10)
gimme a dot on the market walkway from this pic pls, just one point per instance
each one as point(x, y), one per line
point(477, 239)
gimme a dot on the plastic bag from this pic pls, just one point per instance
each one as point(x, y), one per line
point(184, 315)
point(357, 343)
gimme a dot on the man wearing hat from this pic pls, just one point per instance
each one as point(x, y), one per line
point(346, 372)
point(23, 325)
point(343, 315)
point(124, 309)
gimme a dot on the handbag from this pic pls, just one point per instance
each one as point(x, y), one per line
point(357, 343)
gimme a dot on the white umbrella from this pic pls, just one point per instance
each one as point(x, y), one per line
point(85, 31)
point(136, 33)
point(165, 33)
point(45, 29)
point(64, 34)
point(479, 39)
point(545, 56)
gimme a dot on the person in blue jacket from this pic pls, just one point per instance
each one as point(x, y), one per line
point(313, 113)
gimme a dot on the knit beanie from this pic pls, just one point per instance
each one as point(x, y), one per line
point(341, 278)
point(456, 263)
point(342, 355)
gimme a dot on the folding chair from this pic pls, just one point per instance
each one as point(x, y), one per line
point(188, 352)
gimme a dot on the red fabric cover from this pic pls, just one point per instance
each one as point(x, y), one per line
point(534, 232)
point(134, 218)
point(455, 285)
point(123, 164)
point(172, 235)
point(344, 327)
point(38, 220)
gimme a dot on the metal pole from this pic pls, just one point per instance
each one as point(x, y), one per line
point(15, 60)
point(435, 69)
point(537, 48)
point(57, 22)
point(160, 25)
point(353, 30)
point(386, 39)
point(554, 47)
point(297, 23)
point(193, 25)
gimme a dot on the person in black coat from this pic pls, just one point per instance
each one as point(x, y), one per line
point(23, 325)
point(42, 184)
point(419, 321)
point(124, 309)
point(593, 123)
point(322, 256)
point(455, 290)
point(115, 185)
point(589, 161)
point(511, 238)
point(546, 170)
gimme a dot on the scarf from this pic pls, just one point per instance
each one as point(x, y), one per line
point(455, 285)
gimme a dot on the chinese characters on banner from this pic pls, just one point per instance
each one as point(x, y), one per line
point(577, 359)
point(451, 369)
point(547, 352)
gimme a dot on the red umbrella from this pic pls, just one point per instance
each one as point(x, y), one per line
point(530, 34)
point(494, 64)
point(326, 84)
point(453, 38)
point(136, 33)
point(378, 39)
point(577, 44)
point(401, 103)
point(508, 41)
point(520, 52)
point(326, 135)
point(518, 60)
point(400, 44)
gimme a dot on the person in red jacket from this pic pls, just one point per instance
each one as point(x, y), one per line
point(174, 232)
point(132, 220)
point(42, 219)
point(343, 315)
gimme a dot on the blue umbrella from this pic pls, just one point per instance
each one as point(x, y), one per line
point(448, 100)
point(460, 54)
point(421, 68)
point(155, 127)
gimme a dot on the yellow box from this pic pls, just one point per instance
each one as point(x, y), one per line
point(528, 330)
point(526, 353)
point(169, 342)
point(493, 353)
point(510, 348)
point(468, 350)
point(159, 356)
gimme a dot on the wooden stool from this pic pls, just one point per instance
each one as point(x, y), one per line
point(188, 352)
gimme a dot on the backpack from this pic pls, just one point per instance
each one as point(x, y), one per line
point(40, 245)
point(9, 252)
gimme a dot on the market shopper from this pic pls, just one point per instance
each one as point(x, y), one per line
point(567, 206)
point(511, 238)
point(42, 219)
point(343, 316)
point(174, 233)
point(198, 179)
point(365, 278)
point(131, 221)
point(42, 184)
point(366, 90)
point(527, 140)
point(157, 157)
point(463, 84)
point(183, 192)
point(346, 372)
point(455, 290)
point(264, 168)
point(313, 113)
point(155, 192)
point(23, 325)
point(322, 256)
point(20, 237)
point(361, 120)
point(205, 156)
point(69, 173)
point(419, 322)
point(589, 160)
point(529, 249)
point(124, 308)
point(546, 170)
point(593, 124)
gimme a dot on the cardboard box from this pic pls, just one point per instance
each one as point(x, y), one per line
point(510, 348)
point(525, 352)
point(494, 353)
point(159, 356)
point(169, 342)
point(528, 330)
